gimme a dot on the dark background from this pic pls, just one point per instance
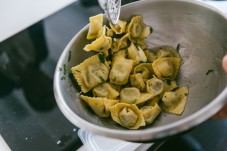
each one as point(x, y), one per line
point(29, 117)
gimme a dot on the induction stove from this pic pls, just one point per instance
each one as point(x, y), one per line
point(30, 120)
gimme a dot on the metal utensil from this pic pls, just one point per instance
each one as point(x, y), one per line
point(112, 9)
point(201, 31)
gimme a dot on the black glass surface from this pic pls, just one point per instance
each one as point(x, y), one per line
point(30, 120)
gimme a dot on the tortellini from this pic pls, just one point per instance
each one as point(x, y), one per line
point(150, 112)
point(95, 26)
point(136, 54)
point(167, 52)
point(125, 78)
point(120, 27)
point(119, 43)
point(132, 95)
point(120, 71)
point(137, 29)
point(122, 53)
point(91, 72)
point(145, 69)
point(129, 95)
point(127, 115)
point(137, 81)
point(174, 102)
point(151, 56)
point(102, 45)
point(155, 86)
point(101, 106)
point(169, 85)
point(105, 90)
point(102, 32)
point(166, 68)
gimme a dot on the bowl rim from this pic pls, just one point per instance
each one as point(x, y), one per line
point(141, 134)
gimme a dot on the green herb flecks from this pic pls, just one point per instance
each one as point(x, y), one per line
point(178, 48)
point(63, 78)
point(60, 69)
point(70, 75)
point(65, 69)
point(134, 101)
point(69, 56)
point(110, 56)
point(128, 42)
point(101, 58)
point(74, 82)
point(78, 71)
point(151, 29)
point(168, 81)
point(209, 71)
point(137, 45)
point(142, 61)
point(101, 78)
point(117, 35)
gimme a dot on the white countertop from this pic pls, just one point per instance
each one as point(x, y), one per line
point(17, 15)
point(3, 145)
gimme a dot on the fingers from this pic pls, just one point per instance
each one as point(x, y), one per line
point(221, 114)
point(224, 63)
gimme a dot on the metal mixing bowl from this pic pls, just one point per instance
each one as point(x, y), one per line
point(201, 31)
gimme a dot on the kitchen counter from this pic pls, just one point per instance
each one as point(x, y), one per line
point(18, 15)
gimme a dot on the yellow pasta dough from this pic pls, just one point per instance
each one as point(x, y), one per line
point(127, 115)
point(167, 52)
point(102, 45)
point(102, 32)
point(174, 102)
point(166, 68)
point(120, 71)
point(150, 113)
point(145, 69)
point(120, 27)
point(151, 56)
point(137, 29)
point(101, 106)
point(96, 23)
point(120, 43)
point(155, 86)
point(137, 81)
point(128, 80)
point(105, 90)
point(132, 95)
point(90, 73)
point(136, 54)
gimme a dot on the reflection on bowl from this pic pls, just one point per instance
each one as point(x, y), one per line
point(201, 31)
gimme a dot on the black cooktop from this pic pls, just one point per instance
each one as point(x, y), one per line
point(30, 120)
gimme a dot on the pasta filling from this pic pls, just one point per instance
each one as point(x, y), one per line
point(128, 117)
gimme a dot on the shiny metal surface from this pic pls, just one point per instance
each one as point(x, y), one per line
point(201, 31)
point(112, 9)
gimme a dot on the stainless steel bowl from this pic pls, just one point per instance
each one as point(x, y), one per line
point(201, 31)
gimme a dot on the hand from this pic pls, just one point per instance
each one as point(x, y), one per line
point(223, 112)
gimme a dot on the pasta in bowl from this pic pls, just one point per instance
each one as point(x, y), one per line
point(133, 81)
point(135, 90)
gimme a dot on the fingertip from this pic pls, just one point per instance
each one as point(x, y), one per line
point(224, 63)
